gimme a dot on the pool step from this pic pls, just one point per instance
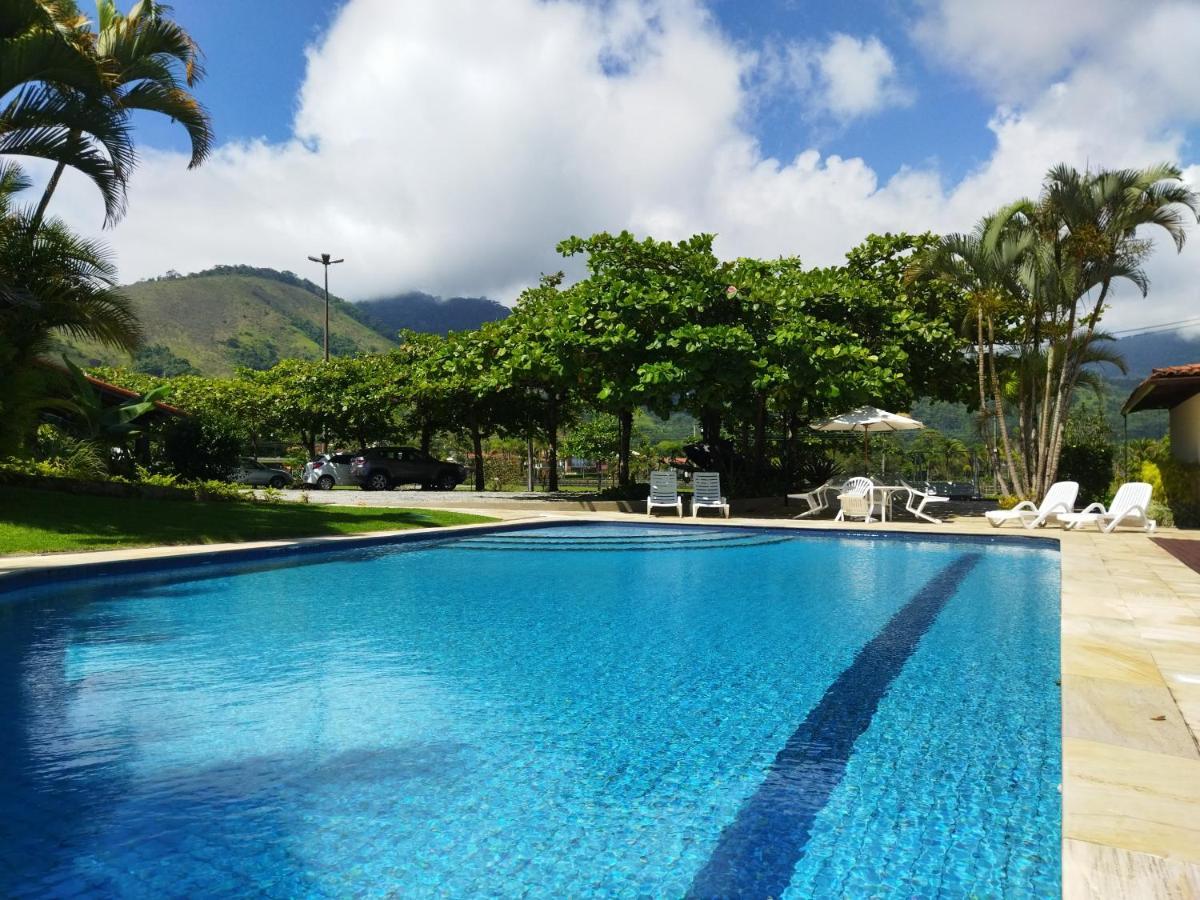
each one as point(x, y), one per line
point(600, 543)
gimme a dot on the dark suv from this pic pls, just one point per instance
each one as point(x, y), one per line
point(383, 468)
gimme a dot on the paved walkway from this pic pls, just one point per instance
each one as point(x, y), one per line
point(1130, 691)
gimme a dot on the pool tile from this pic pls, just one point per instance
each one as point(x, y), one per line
point(1131, 799)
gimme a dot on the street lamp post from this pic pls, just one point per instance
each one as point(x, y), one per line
point(326, 262)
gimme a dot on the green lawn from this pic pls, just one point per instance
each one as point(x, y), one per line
point(34, 521)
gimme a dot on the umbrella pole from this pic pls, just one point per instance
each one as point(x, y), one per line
point(866, 451)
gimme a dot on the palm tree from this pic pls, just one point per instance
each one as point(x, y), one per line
point(147, 62)
point(991, 276)
point(56, 108)
point(51, 282)
point(1082, 236)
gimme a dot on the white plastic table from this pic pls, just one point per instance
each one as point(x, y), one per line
point(885, 493)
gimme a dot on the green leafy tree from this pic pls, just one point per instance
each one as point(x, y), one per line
point(636, 294)
point(539, 358)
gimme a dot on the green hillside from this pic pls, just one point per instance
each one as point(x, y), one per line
point(213, 322)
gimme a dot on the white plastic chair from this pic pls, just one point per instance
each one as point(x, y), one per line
point(817, 499)
point(857, 499)
point(1130, 507)
point(1059, 500)
point(706, 493)
point(664, 491)
point(918, 509)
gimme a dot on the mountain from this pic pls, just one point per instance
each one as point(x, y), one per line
point(1141, 352)
point(423, 312)
point(1144, 352)
point(214, 321)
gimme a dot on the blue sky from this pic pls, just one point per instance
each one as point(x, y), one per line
point(447, 145)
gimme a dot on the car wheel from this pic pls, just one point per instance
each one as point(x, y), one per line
point(378, 481)
point(446, 483)
point(278, 482)
point(427, 486)
point(325, 482)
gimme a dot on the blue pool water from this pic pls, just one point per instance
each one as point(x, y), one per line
point(567, 711)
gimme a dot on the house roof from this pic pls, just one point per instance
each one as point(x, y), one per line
point(115, 393)
point(1166, 387)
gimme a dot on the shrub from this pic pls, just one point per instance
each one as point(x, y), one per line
point(220, 491)
point(154, 479)
point(1152, 475)
point(1089, 464)
point(1178, 486)
point(200, 449)
point(67, 457)
point(1161, 514)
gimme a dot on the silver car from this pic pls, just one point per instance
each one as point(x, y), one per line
point(252, 472)
point(327, 470)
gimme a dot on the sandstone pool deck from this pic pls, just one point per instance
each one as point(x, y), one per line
point(1130, 645)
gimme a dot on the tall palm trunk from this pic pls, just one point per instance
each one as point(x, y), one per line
point(984, 413)
point(1018, 483)
point(39, 214)
point(1071, 374)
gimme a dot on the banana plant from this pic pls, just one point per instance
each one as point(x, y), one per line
point(110, 426)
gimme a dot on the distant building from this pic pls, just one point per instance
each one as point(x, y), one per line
point(1175, 388)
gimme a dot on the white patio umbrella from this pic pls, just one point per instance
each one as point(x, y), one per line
point(868, 419)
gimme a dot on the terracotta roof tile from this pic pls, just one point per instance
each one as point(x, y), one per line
point(1190, 369)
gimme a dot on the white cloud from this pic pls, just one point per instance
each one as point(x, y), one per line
point(858, 77)
point(1013, 48)
point(447, 145)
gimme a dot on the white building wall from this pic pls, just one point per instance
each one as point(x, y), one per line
point(1185, 430)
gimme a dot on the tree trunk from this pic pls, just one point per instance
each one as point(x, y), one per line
point(760, 433)
point(40, 213)
point(426, 436)
point(1072, 365)
point(710, 426)
point(552, 443)
point(625, 421)
point(477, 448)
point(1017, 483)
point(985, 416)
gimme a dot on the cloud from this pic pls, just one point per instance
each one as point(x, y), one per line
point(857, 77)
point(447, 145)
point(1012, 49)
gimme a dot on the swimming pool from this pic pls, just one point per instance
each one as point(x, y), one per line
point(582, 710)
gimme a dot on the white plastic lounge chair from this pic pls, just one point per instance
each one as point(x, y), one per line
point(1128, 507)
point(918, 509)
point(1059, 500)
point(706, 493)
point(817, 499)
point(664, 491)
point(857, 499)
